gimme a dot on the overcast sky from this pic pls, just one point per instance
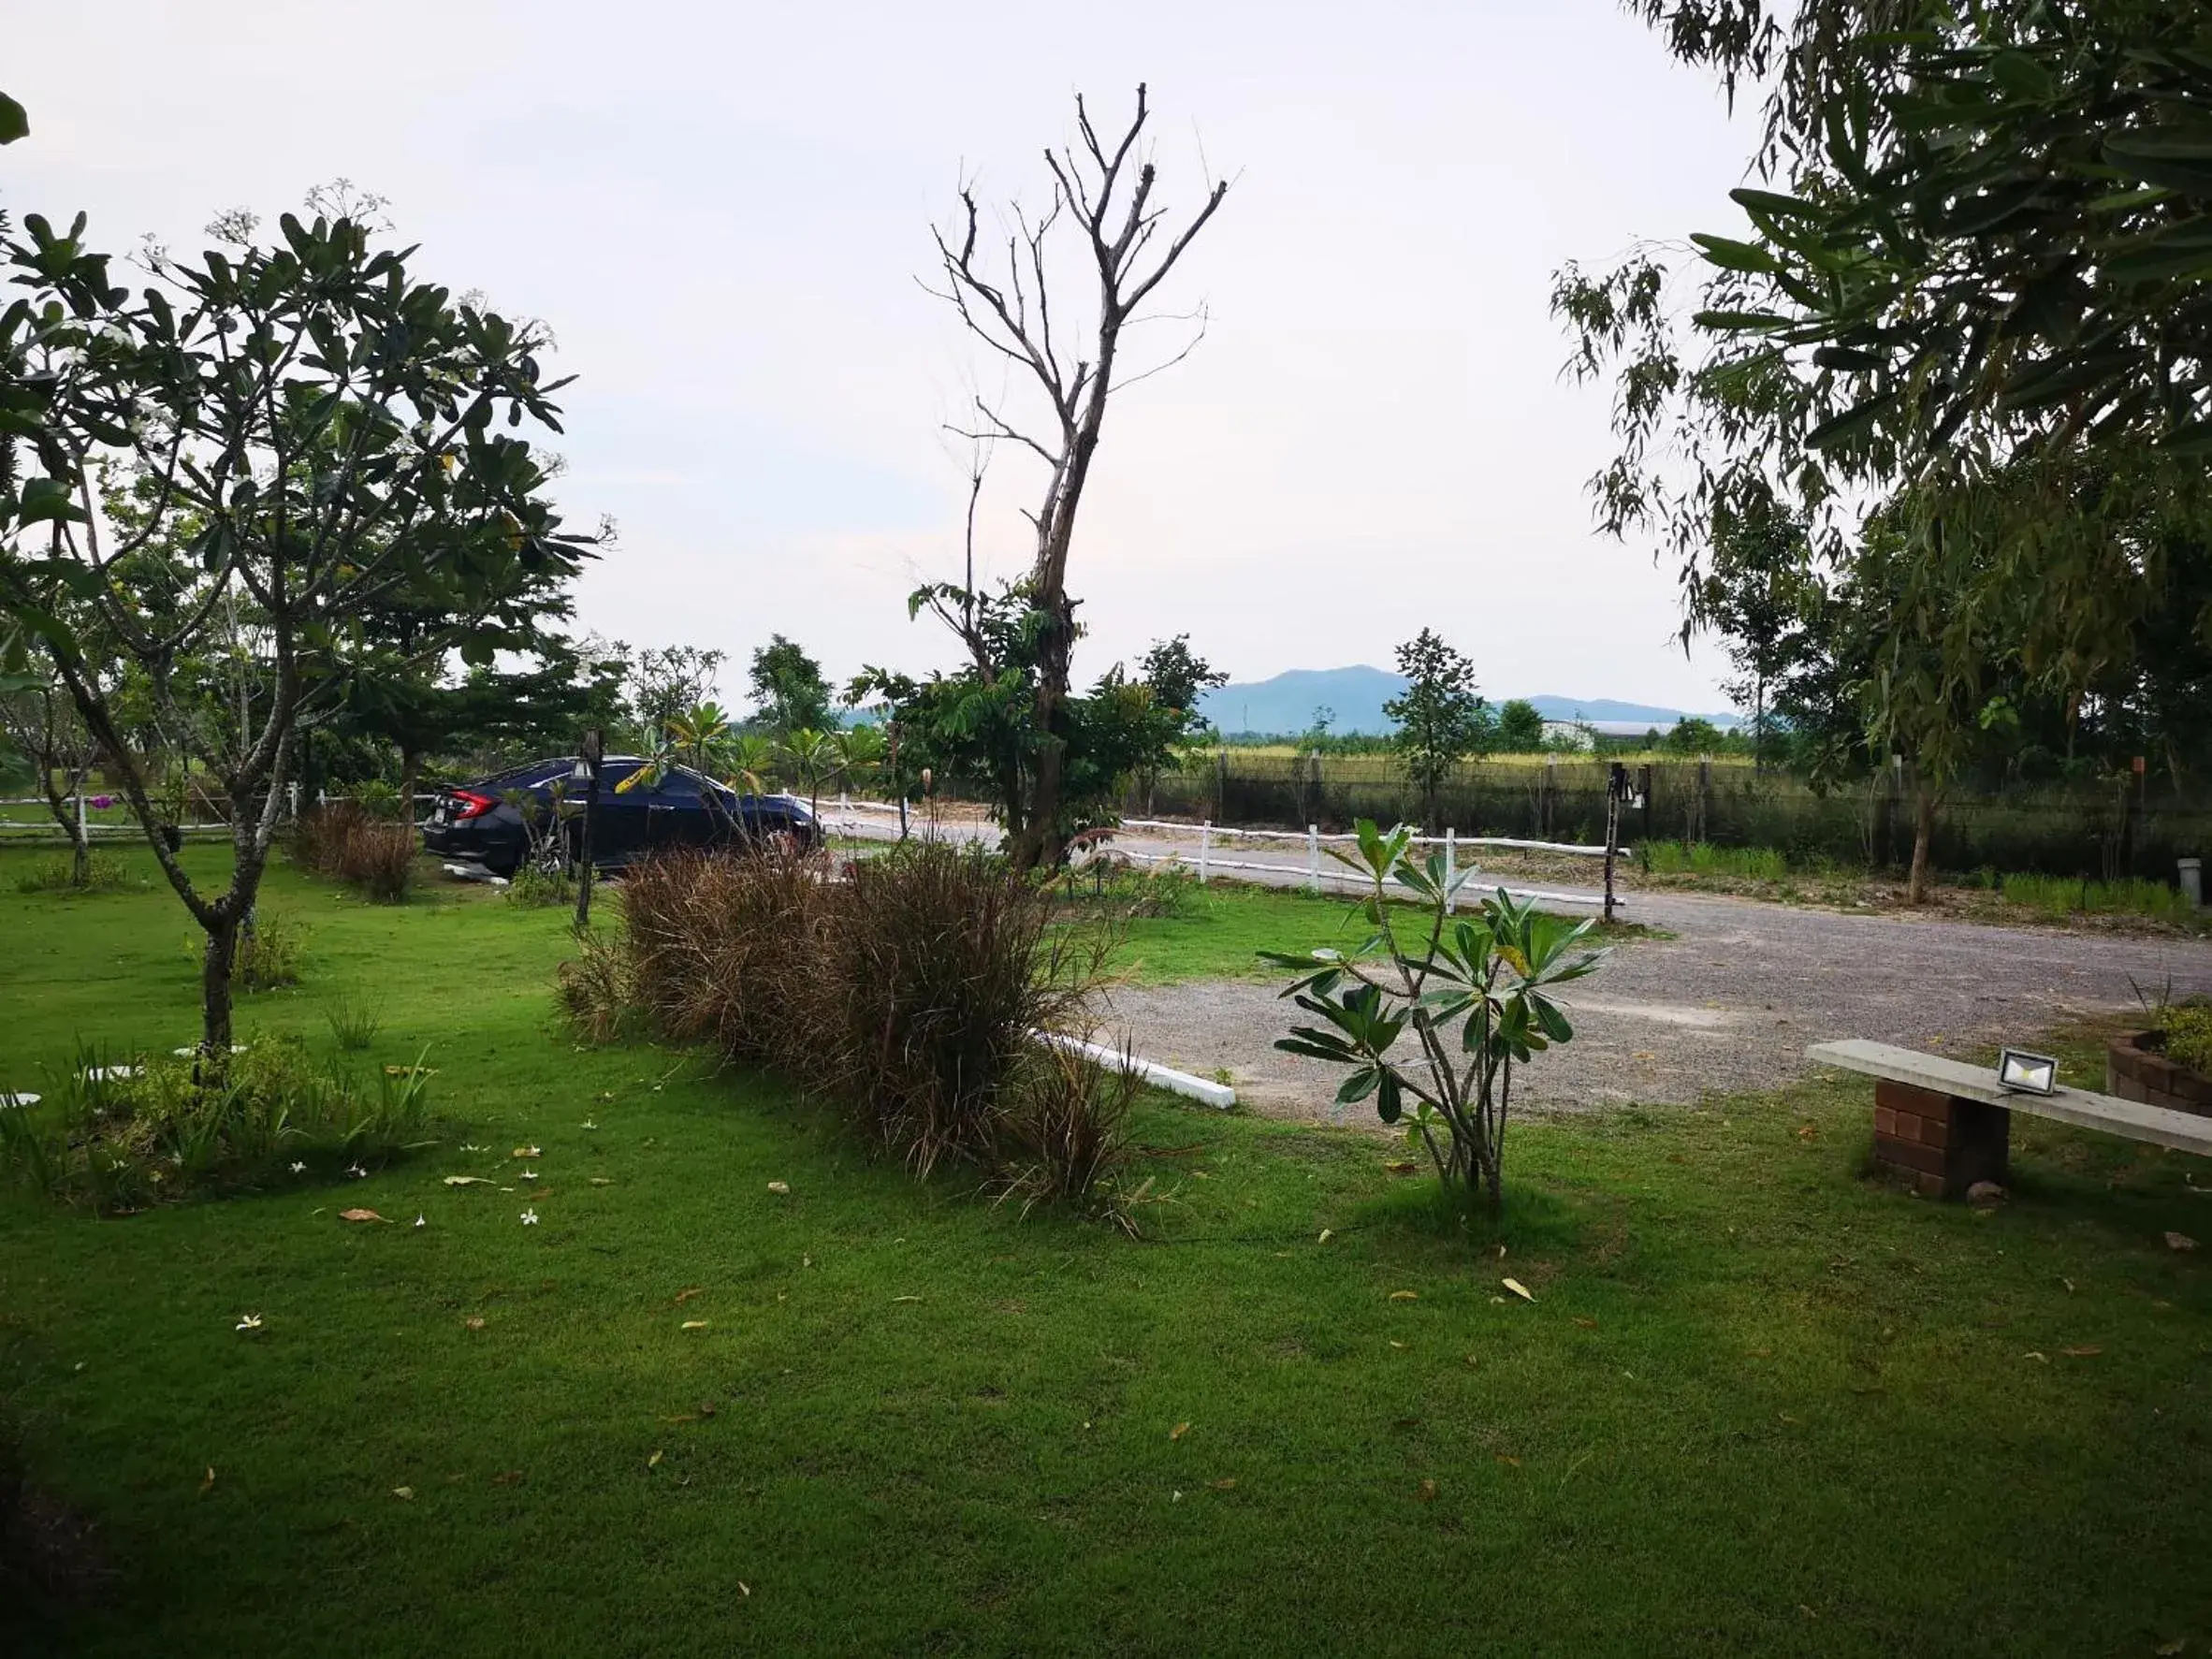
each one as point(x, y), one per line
point(721, 210)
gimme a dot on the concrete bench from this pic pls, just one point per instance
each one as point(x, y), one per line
point(1944, 1125)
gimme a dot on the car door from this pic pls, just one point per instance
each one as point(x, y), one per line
point(620, 823)
point(677, 816)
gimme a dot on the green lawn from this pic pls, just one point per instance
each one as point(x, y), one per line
point(1758, 1405)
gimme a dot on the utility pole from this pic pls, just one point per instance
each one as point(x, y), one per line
point(594, 751)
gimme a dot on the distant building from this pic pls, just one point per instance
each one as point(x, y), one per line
point(1574, 734)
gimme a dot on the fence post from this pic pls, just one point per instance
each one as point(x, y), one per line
point(1205, 848)
point(1551, 792)
point(81, 841)
point(1451, 864)
point(1616, 780)
point(1221, 783)
point(1313, 858)
point(1643, 788)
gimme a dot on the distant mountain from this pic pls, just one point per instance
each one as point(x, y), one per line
point(1355, 698)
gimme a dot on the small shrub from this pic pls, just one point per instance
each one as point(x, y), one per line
point(597, 990)
point(169, 1129)
point(1112, 883)
point(536, 885)
point(104, 873)
point(2188, 1036)
point(345, 841)
point(1066, 1133)
point(942, 962)
point(269, 952)
point(378, 861)
point(355, 1024)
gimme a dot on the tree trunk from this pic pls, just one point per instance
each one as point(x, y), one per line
point(410, 776)
point(79, 859)
point(216, 965)
point(1923, 815)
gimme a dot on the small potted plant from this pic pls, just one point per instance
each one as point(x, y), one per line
point(2168, 1065)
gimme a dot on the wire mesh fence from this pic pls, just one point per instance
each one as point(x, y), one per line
point(2109, 830)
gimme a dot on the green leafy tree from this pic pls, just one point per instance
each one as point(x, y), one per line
point(1442, 719)
point(1520, 727)
point(788, 689)
point(325, 428)
point(1756, 595)
point(1967, 291)
point(975, 728)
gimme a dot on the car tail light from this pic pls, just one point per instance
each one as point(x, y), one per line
point(472, 805)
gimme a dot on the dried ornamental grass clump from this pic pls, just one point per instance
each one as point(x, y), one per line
point(905, 994)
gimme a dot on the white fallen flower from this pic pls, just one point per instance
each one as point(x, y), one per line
point(589, 1125)
point(420, 1222)
point(357, 1172)
point(529, 1217)
point(529, 1174)
point(298, 1168)
point(250, 1322)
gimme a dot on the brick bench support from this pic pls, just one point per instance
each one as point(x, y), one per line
point(1940, 1144)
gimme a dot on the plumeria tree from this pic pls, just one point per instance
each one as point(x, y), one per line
point(309, 430)
point(1432, 1013)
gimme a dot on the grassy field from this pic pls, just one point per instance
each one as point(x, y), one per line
point(1757, 1405)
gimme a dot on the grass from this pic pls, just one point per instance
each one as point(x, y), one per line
point(2064, 897)
point(1759, 1405)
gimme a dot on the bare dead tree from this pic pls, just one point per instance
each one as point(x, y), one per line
point(1103, 198)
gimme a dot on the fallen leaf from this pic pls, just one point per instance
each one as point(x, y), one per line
point(653, 1462)
point(403, 1491)
point(1586, 1322)
point(2069, 1284)
point(474, 1321)
point(1761, 1353)
point(2086, 1352)
point(1406, 1296)
point(1428, 1492)
point(358, 1216)
point(1501, 1252)
point(1518, 1288)
point(1397, 1345)
point(1407, 1423)
point(1407, 1168)
point(896, 1299)
point(508, 1477)
point(600, 1181)
point(1178, 1430)
point(694, 1325)
point(466, 1181)
point(1506, 1459)
point(2180, 1241)
point(2040, 1358)
point(1474, 1361)
point(526, 1151)
point(208, 1481)
point(684, 1296)
point(1786, 1417)
point(686, 1417)
point(1327, 1233)
point(1227, 1484)
point(2165, 1650)
point(779, 1187)
point(705, 1408)
point(1804, 1131)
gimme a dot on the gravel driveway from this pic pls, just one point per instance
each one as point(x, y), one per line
point(1728, 1004)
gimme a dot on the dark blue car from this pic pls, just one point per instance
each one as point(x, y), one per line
point(478, 822)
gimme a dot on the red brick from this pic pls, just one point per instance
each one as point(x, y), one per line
point(1909, 1154)
point(1884, 1120)
point(1935, 1131)
point(1929, 1186)
point(1904, 1097)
